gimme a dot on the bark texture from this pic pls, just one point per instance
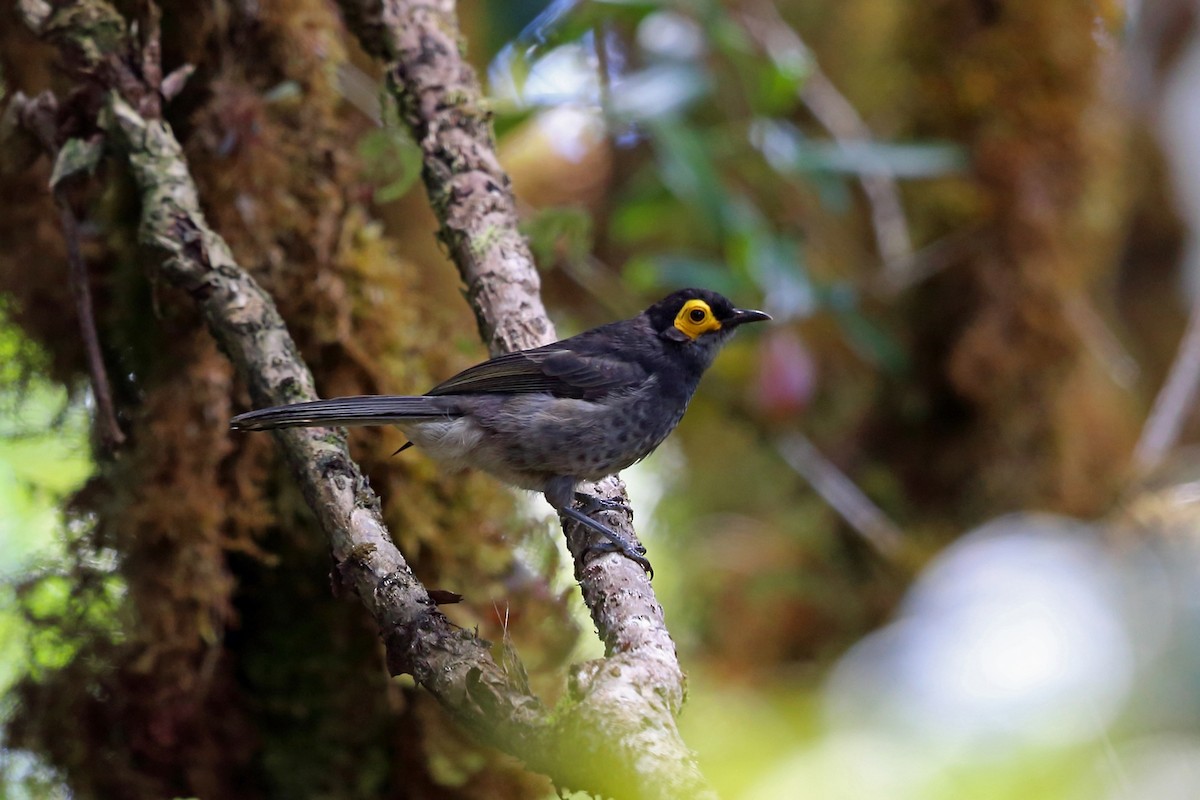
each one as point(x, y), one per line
point(615, 732)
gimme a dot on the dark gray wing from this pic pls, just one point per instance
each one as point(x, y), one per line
point(554, 369)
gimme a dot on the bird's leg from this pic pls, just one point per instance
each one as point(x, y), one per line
point(559, 493)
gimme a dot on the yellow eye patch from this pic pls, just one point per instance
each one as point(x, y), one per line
point(695, 318)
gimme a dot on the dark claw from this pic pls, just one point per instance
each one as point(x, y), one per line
point(616, 542)
point(591, 502)
point(634, 554)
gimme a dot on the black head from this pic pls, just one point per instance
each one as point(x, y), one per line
point(699, 319)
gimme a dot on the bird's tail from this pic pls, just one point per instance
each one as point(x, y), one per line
point(364, 410)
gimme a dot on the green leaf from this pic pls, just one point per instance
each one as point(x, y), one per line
point(869, 340)
point(559, 232)
point(659, 91)
point(649, 273)
point(789, 151)
point(392, 161)
point(687, 169)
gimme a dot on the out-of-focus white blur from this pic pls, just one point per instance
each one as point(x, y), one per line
point(563, 83)
point(1013, 635)
point(1029, 635)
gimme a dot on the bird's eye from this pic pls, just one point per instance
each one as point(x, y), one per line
point(696, 319)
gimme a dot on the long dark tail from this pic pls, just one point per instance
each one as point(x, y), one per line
point(363, 410)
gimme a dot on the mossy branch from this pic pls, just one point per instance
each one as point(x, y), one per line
point(451, 663)
point(616, 734)
point(634, 695)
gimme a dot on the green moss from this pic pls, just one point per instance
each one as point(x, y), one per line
point(483, 242)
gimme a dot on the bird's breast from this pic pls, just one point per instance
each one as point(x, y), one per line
point(588, 439)
point(525, 439)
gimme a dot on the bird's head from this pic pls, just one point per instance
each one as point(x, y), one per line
point(700, 320)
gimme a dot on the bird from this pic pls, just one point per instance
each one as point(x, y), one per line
point(548, 418)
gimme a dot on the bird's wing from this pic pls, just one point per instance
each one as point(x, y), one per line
point(561, 371)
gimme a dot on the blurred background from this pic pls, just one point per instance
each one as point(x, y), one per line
point(933, 533)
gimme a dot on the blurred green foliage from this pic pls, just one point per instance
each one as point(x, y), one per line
point(711, 171)
point(44, 457)
point(715, 166)
point(722, 175)
point(391, 160)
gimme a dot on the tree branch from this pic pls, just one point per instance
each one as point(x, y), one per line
point(616, 733)
point(439, 99)
point(453, 664)
point(634, 695)
point(77, 275)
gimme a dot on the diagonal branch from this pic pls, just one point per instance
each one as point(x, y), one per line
point(440, 99)
point(454, 665)
point(633, 696)
point(616, 733)
point(77, 276)
point(245, 322)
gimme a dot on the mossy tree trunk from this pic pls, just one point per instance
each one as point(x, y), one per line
point(234, 673)
point(1015, 406)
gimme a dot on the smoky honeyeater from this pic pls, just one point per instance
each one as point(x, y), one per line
point(546, 419)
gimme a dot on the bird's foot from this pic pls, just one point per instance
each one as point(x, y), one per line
point(592, 502)
point(616, 542)
point(634, 554)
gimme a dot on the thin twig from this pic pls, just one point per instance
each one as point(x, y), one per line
point(866, 518)
point(77, 275)
point(360, 90)
point(927, 262)
point(1175, 400)
point(603, 72)
point(843, 122)
point(1101, 341)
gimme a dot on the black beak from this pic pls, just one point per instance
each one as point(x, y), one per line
point(743, 315)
